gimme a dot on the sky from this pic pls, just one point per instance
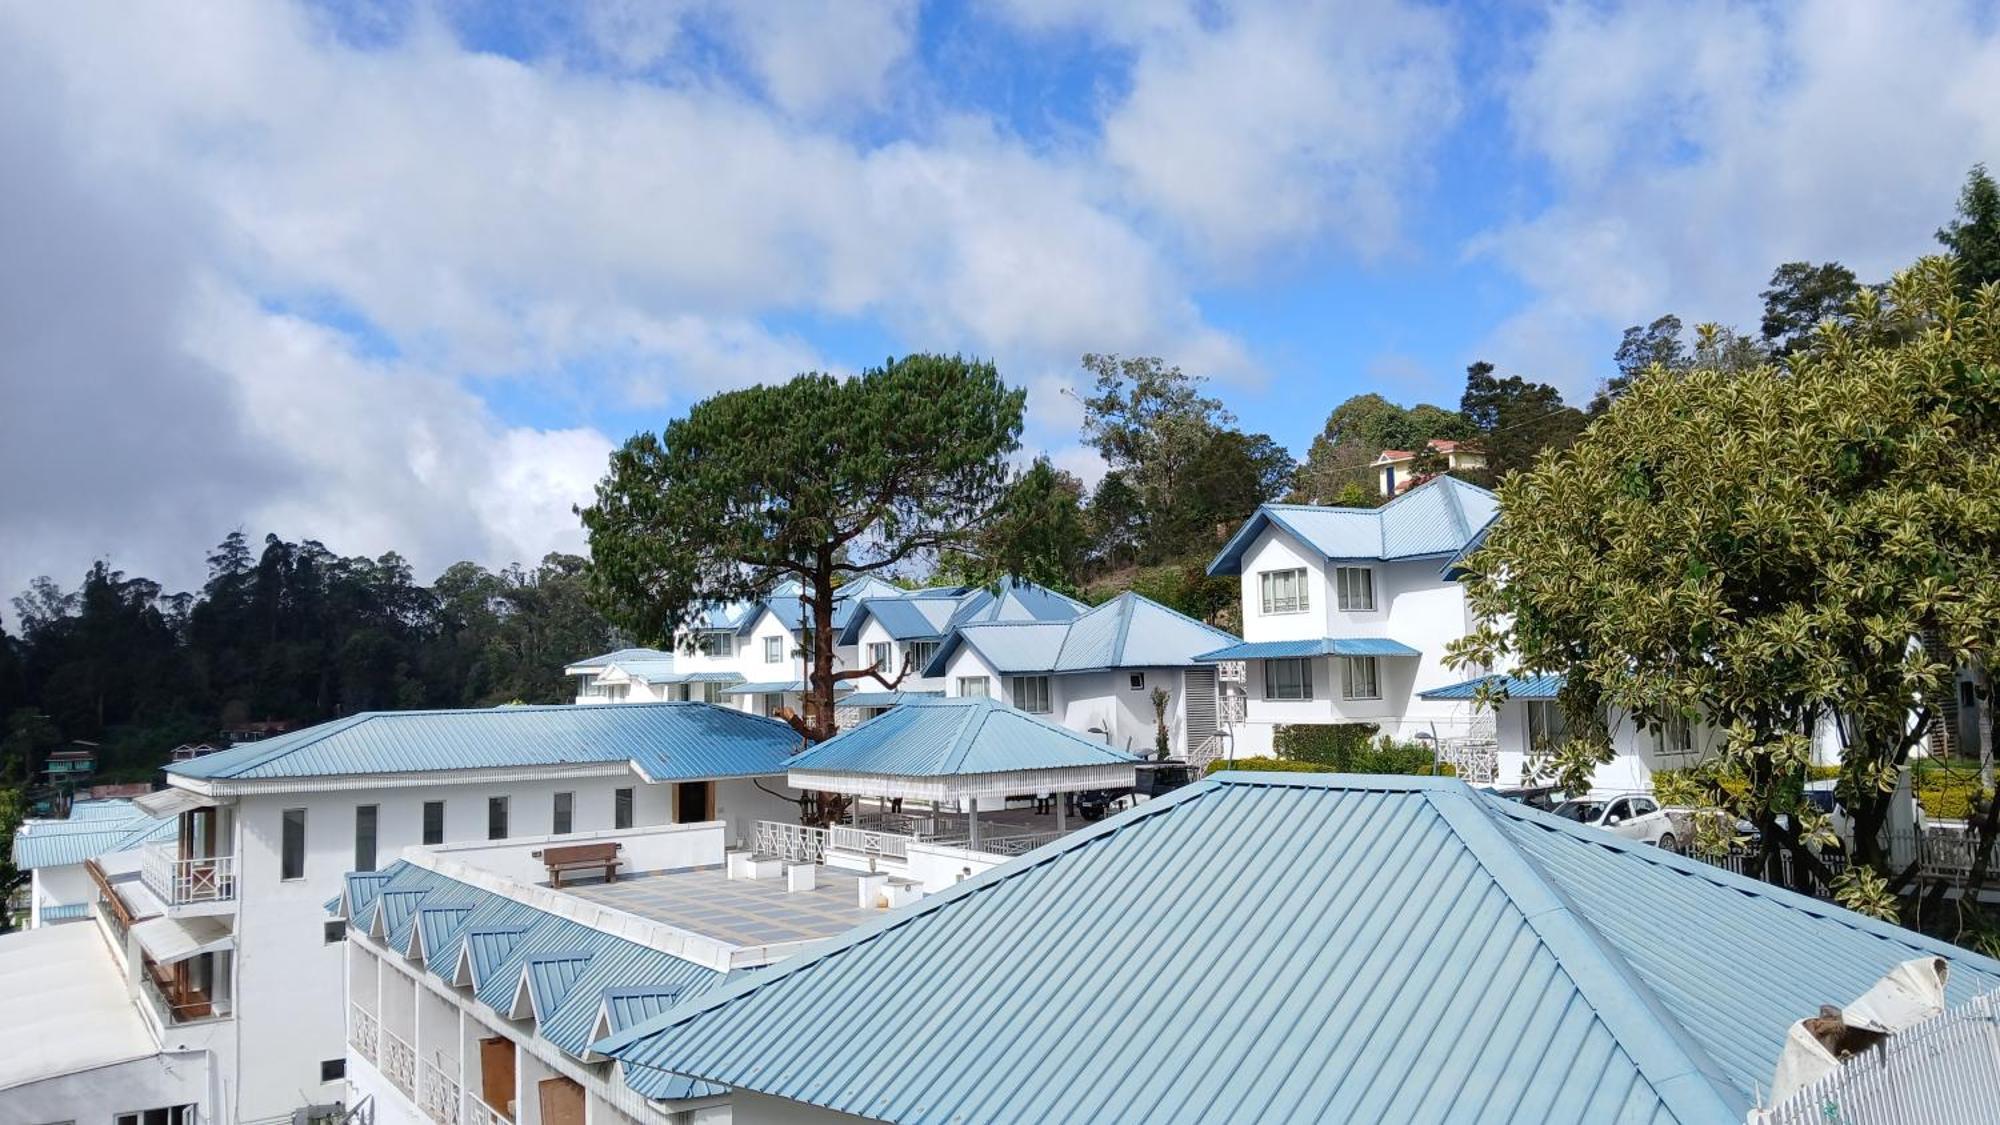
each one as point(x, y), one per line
point(400, 274)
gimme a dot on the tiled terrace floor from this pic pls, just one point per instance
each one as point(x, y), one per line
point(741, 912)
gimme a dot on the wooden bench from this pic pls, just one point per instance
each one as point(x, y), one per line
point(581, 857)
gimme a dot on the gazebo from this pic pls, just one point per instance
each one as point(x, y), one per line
point(960, 752)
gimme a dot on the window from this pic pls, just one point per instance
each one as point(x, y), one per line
point(621, 808)
point(334, 931)
point(1284, 590)
point(774, 650)
point(878, 657)
point(332, 1070)
point(973, 685)
point(1547, 729)
point(564, 820)
point(714, 644)
point(496, 818)
point(433, 822)
point(365, 817)
point(1358, 679)
point(1644, 806)
point(1031, 694)
point(1287, 679)
point(711, 692)
point(921, 654)
point(1356, 588)
point(1138, 681)
point(694, 802)
point(166, 1115)
point(1675, 738)
point(292, 845)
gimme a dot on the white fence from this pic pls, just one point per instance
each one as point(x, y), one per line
point(1944, 1071)
point(862, 841)
point(438, 1094)
point(363, 1032)
point(183, 882)
point(795, 843)
point(399, 1063)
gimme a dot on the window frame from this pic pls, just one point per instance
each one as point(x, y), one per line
point(714, 643)
point(500, 807)
point(880, 654)
point(774, 650)
point(1040, 684)
point(1274, 606)
point(623, 805)
point(1351, 688)
point(985, 687)
point(1344, 599)
point(432, 839)
point(562, 813)
point(1305, 679)
point(365, 858)
point(291, 852)
point(920, 654)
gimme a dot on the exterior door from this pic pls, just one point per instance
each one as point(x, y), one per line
point(1198, 695)
point(496, 1074)
point(694, 801)
point(562, 1102)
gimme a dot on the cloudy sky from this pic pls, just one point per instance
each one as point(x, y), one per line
point(399, 274)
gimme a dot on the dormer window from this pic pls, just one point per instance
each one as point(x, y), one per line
point(1284, 590)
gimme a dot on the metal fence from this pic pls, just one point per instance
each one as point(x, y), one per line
point(1944, 1071)
point(1940, 855)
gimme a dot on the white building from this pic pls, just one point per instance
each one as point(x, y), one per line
point(218, 940)
point(1097, 673)
point(1347, 611)
point(54, 853)
point(892, 634)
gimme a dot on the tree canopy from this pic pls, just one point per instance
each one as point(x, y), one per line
point(819, 479)
point(1973, 237)
point(1763, 549)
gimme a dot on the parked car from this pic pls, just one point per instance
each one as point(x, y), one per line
point(1634, 818)
point(1543, 797)
point(1153, 779)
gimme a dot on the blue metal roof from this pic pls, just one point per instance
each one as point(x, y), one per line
point(1397, 949)
point(67, 912)
point(1544, 686)
point(666, 741)
point(1129, 631)
point(886, 698)
point(1317, 646)
point(627, 1007)
point(1435, 519)
point(573, 971)
point(100, 829)
point(620, 656)
point(940, 737)
point(904, 619)
point(925, 614)
point(778, 687)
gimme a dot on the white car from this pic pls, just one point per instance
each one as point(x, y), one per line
point(1634, 818)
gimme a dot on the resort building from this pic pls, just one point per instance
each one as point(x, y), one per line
point(55, 853)
point(1265, 947)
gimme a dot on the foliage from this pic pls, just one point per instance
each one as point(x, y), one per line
point(292, 633)
point(1358, 430)
point(1865, 891)
point(1801, 295)
point(1162, 746)
point(12, 808)
point(819, 479)
point(1761, 548)
point(1270, 765)
point(1368, 762)
point(1515, 419)
point(1330, 744)
point(1974, 236)
point(1039, 533)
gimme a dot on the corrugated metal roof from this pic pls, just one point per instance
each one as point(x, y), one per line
point(886, 698)
point(1298, 947)
point(573, 971)
point(620, 656)
point(923, 614)
point(626, 1007)
point(1129, 631)
point(904, 619)
point(1317, 646)
point(1435, 519)
point(1517, 687)
point(668, 741)
point(941, 737)
point(778, 687)
point(105, 827)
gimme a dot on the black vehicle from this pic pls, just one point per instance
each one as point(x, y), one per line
point(1153, 779)
point(1543, 797)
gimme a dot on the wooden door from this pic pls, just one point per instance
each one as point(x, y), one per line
point(562, 1102)
point(496, 1073)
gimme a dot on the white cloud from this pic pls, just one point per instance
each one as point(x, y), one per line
point(1694, 148)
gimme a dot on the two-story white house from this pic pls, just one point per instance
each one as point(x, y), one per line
point(891, 634)
point(218, 939)
point(1096, 673)
point(1347, 611)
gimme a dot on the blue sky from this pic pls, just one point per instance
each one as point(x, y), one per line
point(400, 274)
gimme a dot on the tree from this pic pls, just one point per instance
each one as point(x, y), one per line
point(1516, 420)
point(1356, 432)
point(1800, 296)
point(1762, 550)
point(820, 479)
point(1153, 425)
point(1116, 521)
point(1229, 476)
point(1642, 348)
point(1974, 236)
point(1039, 533)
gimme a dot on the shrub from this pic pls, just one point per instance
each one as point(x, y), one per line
point(1331, 745)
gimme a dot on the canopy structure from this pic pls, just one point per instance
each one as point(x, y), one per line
point(168, 940)
point(172, 802)
point(1316, 646)
point(959, 752)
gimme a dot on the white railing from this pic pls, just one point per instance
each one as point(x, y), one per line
point(438, 1094)
point(363, 1032)
point(796, 843)
point(1476, 760)
point(399, 1063)
point(1210, 749)
point(863, 841)
point(479, 1113)
point(183, 882)
point(997, 842)
point(1944, 1071)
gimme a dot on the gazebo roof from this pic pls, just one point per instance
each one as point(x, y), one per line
point(945, 748)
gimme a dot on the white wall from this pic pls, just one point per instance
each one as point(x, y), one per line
point(153, 1082)
point(872, 632)
point(65, 884)
point(966, 663)
point(1274, 549)
point(758, 1109)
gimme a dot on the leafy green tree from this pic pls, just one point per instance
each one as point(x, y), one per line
point(1974, 236)
point(1761, 551)
point(819, 479)
point(1515, 419)
point(1800, 296)
point(1356, 432)
point(1040, 533)
point(1229, 477)
point(1116, 520)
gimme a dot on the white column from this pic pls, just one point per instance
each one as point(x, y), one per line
point(972, 821)
point(1062, 799)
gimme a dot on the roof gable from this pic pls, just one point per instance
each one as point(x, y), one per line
point(1379, 929)
point(1129, 631)
point(1436, 519)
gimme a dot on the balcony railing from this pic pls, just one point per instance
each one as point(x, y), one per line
point(796, 843)
point(171, 1008)
point(438, 1094)
point(363, 1032)
point(185, 882)
point(479, 1113)
point(861, 841)
point(399, 1063)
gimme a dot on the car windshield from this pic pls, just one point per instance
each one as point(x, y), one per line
point(1583, 812)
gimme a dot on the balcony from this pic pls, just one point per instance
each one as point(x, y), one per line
point(479, 1113)
point(363, 1033)
point(438, 1094)
point(181, 882)
point(399, 1063)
